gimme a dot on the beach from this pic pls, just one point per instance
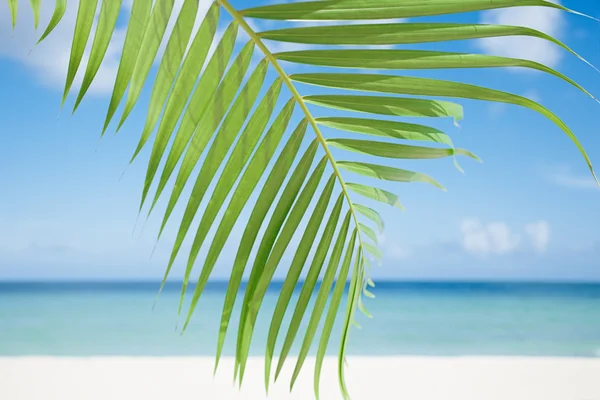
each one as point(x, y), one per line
point(414, 378)
point(434, 341)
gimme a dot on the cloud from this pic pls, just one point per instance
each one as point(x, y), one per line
point(49, 61)
point(492, 239)
point(397, 252)
point(533, 95)
point(393, 250)
point(547, 20)
point(562, 175)
point(539, 234)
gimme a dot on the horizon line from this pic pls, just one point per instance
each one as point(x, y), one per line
point(280, 281)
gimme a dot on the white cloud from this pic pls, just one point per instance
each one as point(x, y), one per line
point(492, 239)
point(563, 176)
point(547, 20)
point(497, 110)
point(539, 233)
point(533, 95)
point(393, 250)
point(397, 252)
point(497, 238)
point(49, 60)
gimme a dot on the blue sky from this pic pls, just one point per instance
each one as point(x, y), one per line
point(529, 212)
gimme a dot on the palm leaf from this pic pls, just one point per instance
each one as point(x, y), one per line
point(83, 27)
point(35, 8)
point(60, 7)
point(214, 111)
point(382, 9)
point(153, 35)
point(13, 6)
point(106, 25)
point(397, 106)
point(310, 283)
point(353, 301)
point(275, 225)
point(140, 13)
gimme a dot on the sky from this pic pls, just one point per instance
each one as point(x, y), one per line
point(529, 212)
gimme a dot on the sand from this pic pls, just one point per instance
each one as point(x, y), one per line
point(411, 378)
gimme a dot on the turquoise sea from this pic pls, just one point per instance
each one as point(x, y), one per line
point(85, 319)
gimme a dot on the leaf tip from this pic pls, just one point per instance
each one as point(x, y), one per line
point(458, 167)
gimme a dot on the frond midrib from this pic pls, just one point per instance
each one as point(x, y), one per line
point(299, 99)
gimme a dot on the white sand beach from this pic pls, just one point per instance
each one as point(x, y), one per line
point(414, 378)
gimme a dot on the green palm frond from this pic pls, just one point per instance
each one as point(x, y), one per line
point(215, 108)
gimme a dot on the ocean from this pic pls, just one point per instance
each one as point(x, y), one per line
point(428, 318)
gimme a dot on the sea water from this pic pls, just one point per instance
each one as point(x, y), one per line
point(445, 319)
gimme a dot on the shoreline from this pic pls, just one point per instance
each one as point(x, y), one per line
point(391, 377)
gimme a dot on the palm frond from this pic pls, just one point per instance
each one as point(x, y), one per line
point(215, 109)
point(60, 7)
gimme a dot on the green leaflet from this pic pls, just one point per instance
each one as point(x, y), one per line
point(263, 204)
point(240, 197)
point(371, 214)
point(334, 305)
point(373, 250)
point(221, 145)
point(362, 308)
point(301, 255)
point(196, 109)
point(366, 262)
point(13, 5)
point(215, 110)
point(387, 173)
point(109, 11)
point(169, 66)
point(138, 19)
point(270, 246)
point(321, 301)
point(401, 33)
point(376, 194)
point(353, 295)
point(83, 26)
point(283, 241)
point(381, 9)
point(433, 87)
point(214, 113)
point(35, 8)
point(153, 36)
point(389, 129)
point(186, 79)
point(400, 106)
point(394, 150)
point(394, 129)
point(413, 59)
point(309, 283)
point(367, 293)
point(364, 282)
point(369, 232)
point(60, 6)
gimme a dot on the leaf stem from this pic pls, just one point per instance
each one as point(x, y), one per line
point(299, 99)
